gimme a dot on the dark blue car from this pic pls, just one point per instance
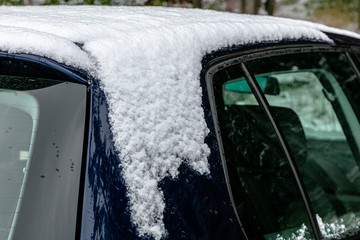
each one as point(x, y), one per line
point(153, 123)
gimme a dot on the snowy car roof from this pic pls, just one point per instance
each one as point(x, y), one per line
point(148, 61)
point(37, 29)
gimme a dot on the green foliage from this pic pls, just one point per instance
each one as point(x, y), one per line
point(347, 5)
point(286, 2)
point(12, 2)
point(347, 9)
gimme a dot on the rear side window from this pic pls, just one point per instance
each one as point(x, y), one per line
point(41, 143)
point(18, 124)
point(311, 99)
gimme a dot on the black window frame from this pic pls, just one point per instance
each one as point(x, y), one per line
point(236, 58)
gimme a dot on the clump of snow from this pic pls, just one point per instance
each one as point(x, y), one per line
point(331, 230)
point(149, 62)
point(338, 228)
point(22, 40)
point(301, 234)
point(156, 117)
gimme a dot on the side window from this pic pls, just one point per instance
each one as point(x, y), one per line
point(42, 126)
point(18, 126)
point(264, 190)
point(312, 100)
point(315, 86)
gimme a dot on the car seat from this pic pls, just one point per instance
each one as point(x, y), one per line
point(262, 183)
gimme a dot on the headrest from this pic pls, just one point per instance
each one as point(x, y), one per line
point(251, 134)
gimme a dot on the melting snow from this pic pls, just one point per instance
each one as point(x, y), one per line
point(148, 61)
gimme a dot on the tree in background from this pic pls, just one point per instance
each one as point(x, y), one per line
point(270, 6)
point(250, 6)
point(341, 10)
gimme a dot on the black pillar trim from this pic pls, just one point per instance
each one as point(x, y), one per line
point(260, 97)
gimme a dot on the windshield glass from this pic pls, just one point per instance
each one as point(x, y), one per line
point(41, 143)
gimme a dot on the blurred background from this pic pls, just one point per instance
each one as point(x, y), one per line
point(336, 13)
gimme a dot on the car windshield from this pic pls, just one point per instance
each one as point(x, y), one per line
point(41, 144)
point(313, 98)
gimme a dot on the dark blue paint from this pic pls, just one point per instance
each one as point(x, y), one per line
point(105, 208)
point(197, 206)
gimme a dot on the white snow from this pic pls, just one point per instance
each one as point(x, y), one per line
point(15, 39)
point(331, 230)
point(339, 227)
point(301, 234)
point(148, 60)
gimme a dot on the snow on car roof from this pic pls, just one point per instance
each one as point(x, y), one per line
point(148, 61)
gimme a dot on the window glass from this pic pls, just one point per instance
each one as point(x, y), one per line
point(317, 87)
point(41, 143)
point(314, 99)
point(18, 124)
point(264, 191)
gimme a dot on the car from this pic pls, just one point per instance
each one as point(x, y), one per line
point(164, 123)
